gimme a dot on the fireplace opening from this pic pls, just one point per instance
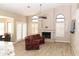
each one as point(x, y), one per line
point(46, 35)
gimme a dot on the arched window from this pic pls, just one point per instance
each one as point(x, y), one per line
point(34, 25)
point(60, 18)
point(34, 19)
point(60, 25)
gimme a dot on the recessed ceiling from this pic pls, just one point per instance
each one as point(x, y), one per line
point(26, 9)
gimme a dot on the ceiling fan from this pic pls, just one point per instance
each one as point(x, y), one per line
point(40, 17)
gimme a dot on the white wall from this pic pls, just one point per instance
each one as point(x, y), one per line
point(75, 37)
point(73, 10)
point(29, 25)
point(51, 20)
point(66, 11)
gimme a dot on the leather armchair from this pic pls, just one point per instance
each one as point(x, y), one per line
point(7, 37)
point(1, 38)
point(42, 40)
point(31, 44)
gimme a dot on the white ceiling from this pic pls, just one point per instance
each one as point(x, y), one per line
point(21, 8)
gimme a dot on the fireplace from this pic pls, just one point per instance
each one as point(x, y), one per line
point(46, 35)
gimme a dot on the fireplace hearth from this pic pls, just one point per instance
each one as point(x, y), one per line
point(46, 35)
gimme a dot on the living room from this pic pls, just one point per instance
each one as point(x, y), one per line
point(39, 29)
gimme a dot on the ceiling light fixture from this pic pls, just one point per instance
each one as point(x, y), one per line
point(40, 17)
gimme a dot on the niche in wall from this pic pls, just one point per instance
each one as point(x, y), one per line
point(72, 29)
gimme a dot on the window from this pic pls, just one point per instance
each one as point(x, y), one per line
point(34, 25)
point(19, 31)
point(1, 28)
point(34, 18)
point(60, 18)
point(10, 28)
point(60, 26)
point(34, 28)
point(24, 31)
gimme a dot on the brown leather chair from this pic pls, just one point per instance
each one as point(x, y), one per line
point(1, 38)
point(7, 37)
point(31, 44)
point(42, 40)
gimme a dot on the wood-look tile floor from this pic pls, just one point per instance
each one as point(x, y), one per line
point(47, 49)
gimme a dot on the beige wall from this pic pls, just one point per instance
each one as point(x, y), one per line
point(29, 25)
point(13, 15)
point(47, 22)
point(51, 20)
point(74, 8)
point(75, 36)
point(66, 11)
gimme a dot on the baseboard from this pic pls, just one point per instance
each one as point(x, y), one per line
point(62, 41)
point(52, 40)
point(49, 40)
point(73, 52)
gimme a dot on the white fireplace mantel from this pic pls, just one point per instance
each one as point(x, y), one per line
point(48, 30)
